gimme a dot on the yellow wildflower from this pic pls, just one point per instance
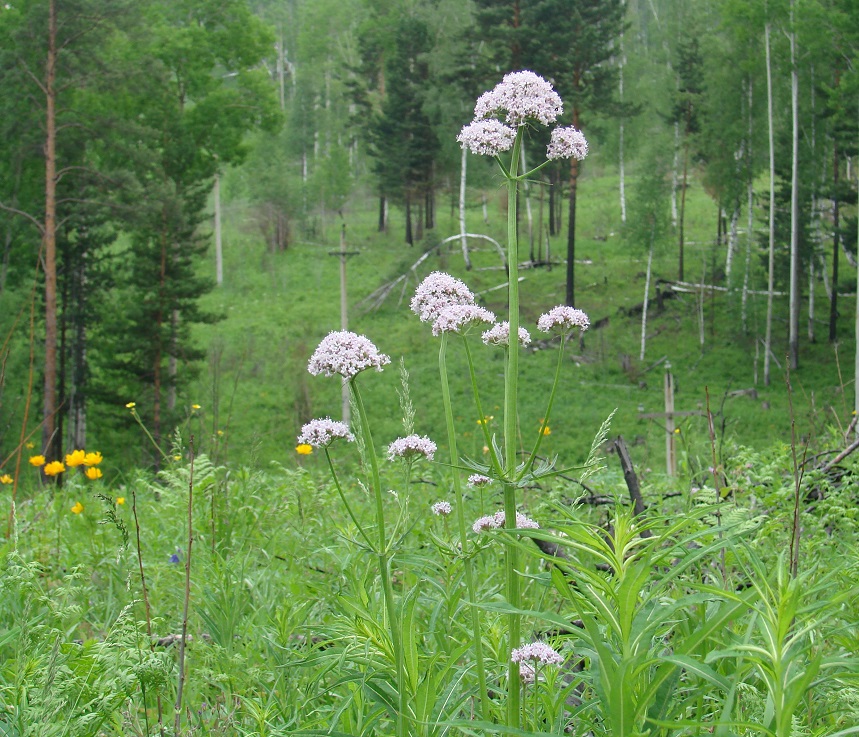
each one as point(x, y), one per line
point(93, 459)
point(93, 473)
point(75, 458)
point(130, 405)
point(30, 446)
point(177, 458)
point(54, 468)
point(486, 419)
point(120, 500)
point(5, 479)
point(546, 430)
point(304, 449)
point(195, 406)
point(676, 430)
point(37, 461)
point(220, 432)
point(78, 508)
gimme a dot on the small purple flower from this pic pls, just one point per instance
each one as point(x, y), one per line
point(411, 447)
point(522, 95)
point(538, 652)
point(345, 353)
point(175, 557)
point(563, 318)
point(458, 318)
point(527, 673)
point(478, 479)
point(567, 143)
point(487, 137)
point(321, 433)
point(442, 509)
point(500, 335)
point(437, 291)
point(497, 520)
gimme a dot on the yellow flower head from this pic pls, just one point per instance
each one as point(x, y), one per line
point(5, 479)
point(30, 446)
point(54, 468)
point(120, 500)
point(177, 458)
point(93, 459)
point(676, 430)
point(546, 430)
point(78, 508)
point(304, 449)
point(130, 405)
point(37, 461)
point(195, 406)
point(220, 432)
point(93, 473)
point(75, 458)
point(486, 419)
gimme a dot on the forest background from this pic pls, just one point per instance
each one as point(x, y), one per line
point(176, 179)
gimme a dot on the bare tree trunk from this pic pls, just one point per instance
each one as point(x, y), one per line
point(771, 264)
point(462, 228)
point(732, 243)
point(833, 296)
point(793, 348)
point(571, 228)
point(811, 276)
point(682, 219)
point(50, 443)
point(646, 299)
point(621, 170)
point(219, 253)
point(674, 174)
point(527, 188)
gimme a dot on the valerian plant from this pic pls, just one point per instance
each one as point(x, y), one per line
point(447, 305)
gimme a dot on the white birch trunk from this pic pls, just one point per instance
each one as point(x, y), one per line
point(646, 299)
point(750, 203)
point(771, 264)
point(674, 174)
point(732, 245)
point(621, 171)
point(462, 231)
point(528, 205)
point(219, 251)
point(811, 302)
point(485, 210)
point(793, 348)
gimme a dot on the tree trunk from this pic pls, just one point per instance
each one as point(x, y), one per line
point(50, 442)
point(462, 228)
point(674, 174)
point(527, 188)
point(793, 349)
point(771, 260)
point(646, 296)
point(383, 214)
point(219, 253)
point(571, 230)
point(732, 243)
point(833, 297)
point(409, 237)
point(621, 171)
point(682, 214)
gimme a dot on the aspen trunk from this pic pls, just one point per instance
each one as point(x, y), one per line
point(793, 349)
point(462, 230)
point(771, 260)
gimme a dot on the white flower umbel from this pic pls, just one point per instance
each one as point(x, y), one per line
point(496, 522)
point(458, 318)
point(322, 432)
point(437, 291)
point(345, 353)
point(500, 335)
point(412, 446)
point(537, 652)
point(442, 509)
point(563, 318)
point(522, 96)
point(487, 137)
point(567, 143)
point(478, 479)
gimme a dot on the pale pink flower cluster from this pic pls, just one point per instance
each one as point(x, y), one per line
point(500, 335)
point(563, 318)
point(487, 137)
point(522, 95)
point(345, 353)
point(437, 291)
point(412, 446)
point(321, 433)
point(496, 522)
point(538, 652)
point(527, 673)
point(567, 143)
point(478, 479)
point(442, 509)
point(457, 318)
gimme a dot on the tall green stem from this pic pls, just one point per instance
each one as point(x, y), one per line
point(510, 418)
point(384, 557)
point(468, 562)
